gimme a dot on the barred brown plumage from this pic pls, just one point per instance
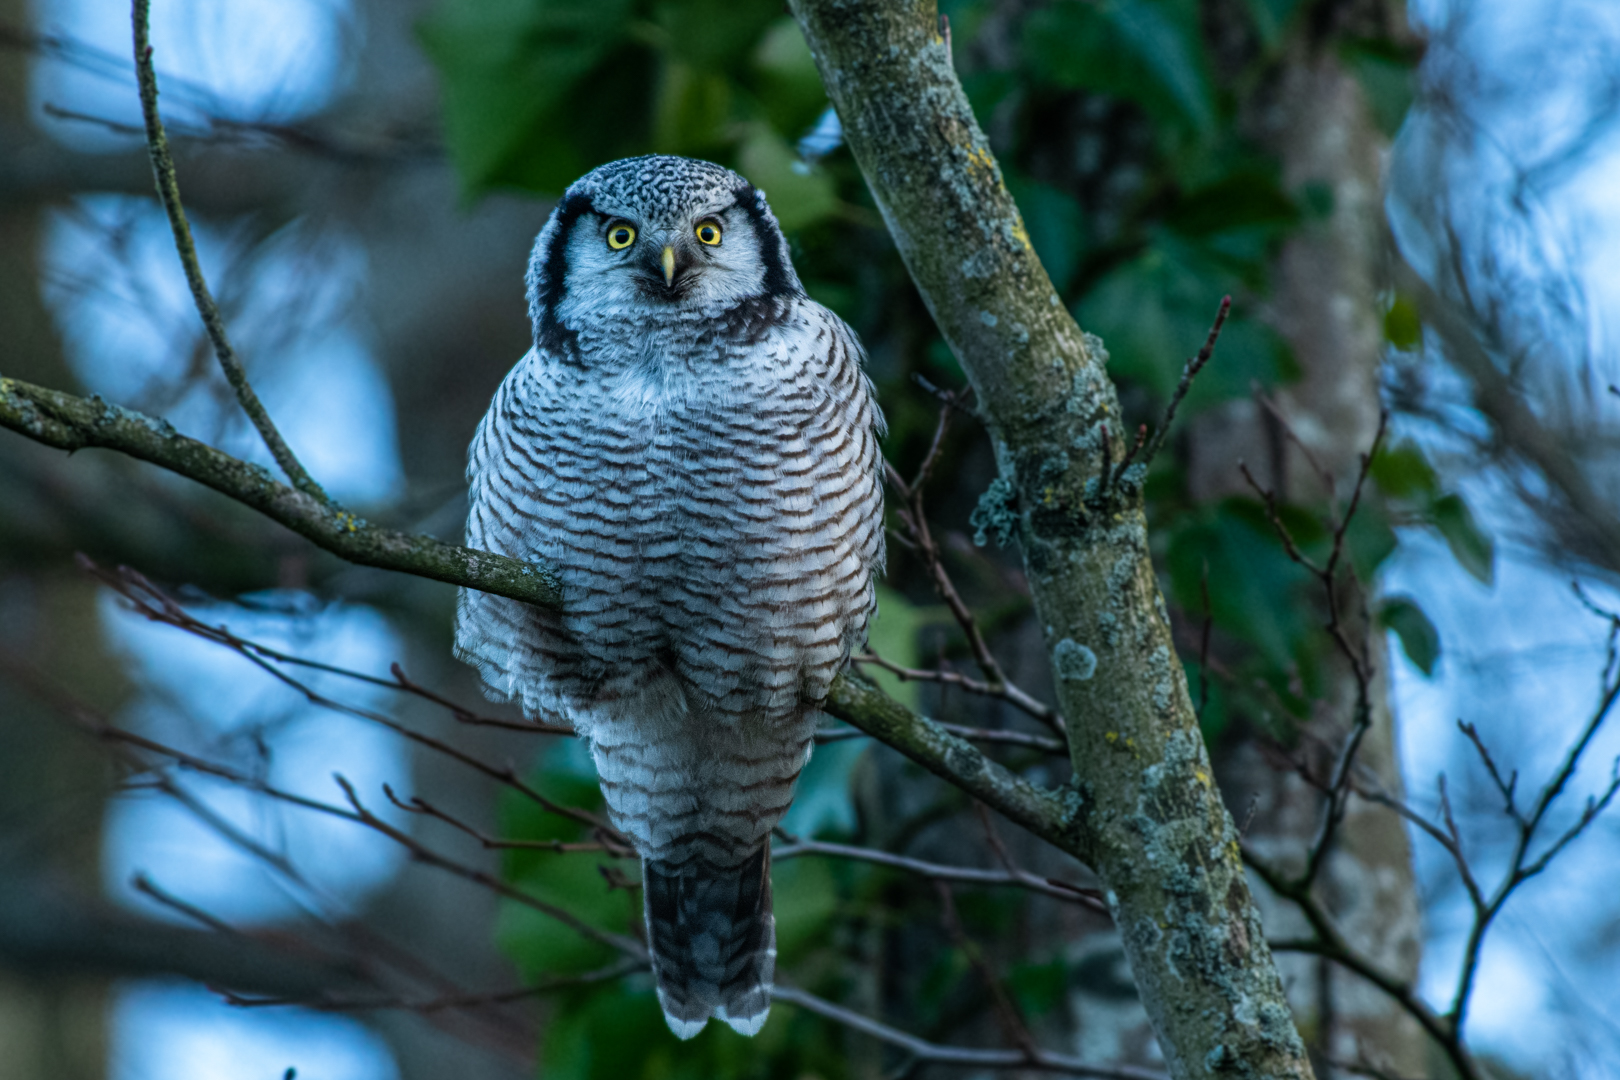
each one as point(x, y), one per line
point(698, 455)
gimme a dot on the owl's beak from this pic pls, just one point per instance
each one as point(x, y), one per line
point(668, 260)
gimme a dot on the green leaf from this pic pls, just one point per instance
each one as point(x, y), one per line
point(509, 68)
point(893, 636)
point(714, 35)
point(1270, 17)
point(1474, 550)
point(1388, 79)
point(798, 196)
point(1039, 988)
point(1146, 51)
point(1402, 472)
point(1215, 715)
point(1402, 326)
point(788, 85)
point(1242, 198)
point(1369, 539)
point(1419, 639)
point(693, 111)
point(805, 896)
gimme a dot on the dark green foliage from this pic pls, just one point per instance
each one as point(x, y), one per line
point(1388, 77)
point(1154, 313)
point(537, 92)
point(1142, 51)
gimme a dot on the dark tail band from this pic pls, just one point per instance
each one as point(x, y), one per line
point(713, 941)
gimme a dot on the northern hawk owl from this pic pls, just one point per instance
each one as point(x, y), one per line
point(693, 445)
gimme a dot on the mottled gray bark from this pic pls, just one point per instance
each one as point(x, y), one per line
point(1148, 817)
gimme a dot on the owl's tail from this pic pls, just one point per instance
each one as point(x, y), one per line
point(713, 941)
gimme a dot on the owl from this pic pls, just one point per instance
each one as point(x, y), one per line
point(692, 443)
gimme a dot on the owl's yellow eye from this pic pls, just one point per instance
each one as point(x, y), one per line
point(709, 232)
point(620, 237)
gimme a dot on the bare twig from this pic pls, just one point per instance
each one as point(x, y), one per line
point(1016, 1028)
point(1357, 655)
point(921, 540)
point(965, 875)
point(423, 854)
point(419, 805)
point(1329, 942)
point(1188, 374)
point(168, 188)
point(927, 1053)
point(150, 601)
point(1522, 867)
point(337, 1003)
point(1003, 690)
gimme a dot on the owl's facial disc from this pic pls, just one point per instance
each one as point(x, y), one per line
point(651, 238)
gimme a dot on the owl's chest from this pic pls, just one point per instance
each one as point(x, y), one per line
point(663, 454)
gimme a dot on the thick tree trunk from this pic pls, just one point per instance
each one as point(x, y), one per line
point(1144, 809)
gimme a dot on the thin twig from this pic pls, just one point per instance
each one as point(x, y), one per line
point(332, 1003)
point(151, 602)
point(924, 1052)
point(965, 875)
point(915, 520)
point(168, 188)
point(1188, 374)
point(425, 855)
point(1329, 942)
point(1016, 1028)
point(1004, 690)
point(419, 805)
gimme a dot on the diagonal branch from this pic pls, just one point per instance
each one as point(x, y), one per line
point(1053, 816)
point(69, 422)
point(168, 188)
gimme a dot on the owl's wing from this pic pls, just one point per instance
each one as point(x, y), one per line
point(512, 480)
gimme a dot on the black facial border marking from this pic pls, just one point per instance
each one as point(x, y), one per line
point(550, 334)
point(777, 283)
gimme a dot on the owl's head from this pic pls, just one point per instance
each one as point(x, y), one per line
point(654, 235)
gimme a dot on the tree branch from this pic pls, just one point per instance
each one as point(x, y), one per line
point(1146, 811)
point(1052, 816)
point(69, 422)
